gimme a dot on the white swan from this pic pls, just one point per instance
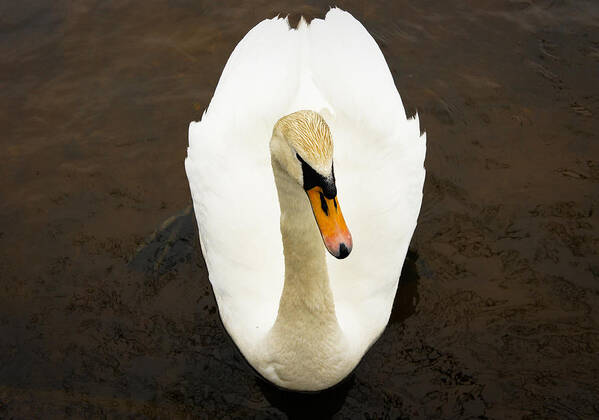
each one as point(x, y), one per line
point(301, 317)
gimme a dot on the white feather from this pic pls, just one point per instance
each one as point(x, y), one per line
point(332, 66)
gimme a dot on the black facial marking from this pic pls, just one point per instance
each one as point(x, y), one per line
point(335, 202)
point(323, 204)
point(314, 179)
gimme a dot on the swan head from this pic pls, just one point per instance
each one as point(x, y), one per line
point(302, 146)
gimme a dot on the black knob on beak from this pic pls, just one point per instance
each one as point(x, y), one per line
point(343, 251)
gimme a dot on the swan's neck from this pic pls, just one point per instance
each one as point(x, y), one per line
point(307, 296)
point(306, 345)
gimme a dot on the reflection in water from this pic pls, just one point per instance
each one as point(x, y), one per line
point(407, 296)
point(172, 243)
point(304, 405)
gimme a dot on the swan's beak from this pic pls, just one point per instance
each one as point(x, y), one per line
point(331, 224)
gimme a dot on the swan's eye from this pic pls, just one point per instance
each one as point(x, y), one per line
point(314, 179)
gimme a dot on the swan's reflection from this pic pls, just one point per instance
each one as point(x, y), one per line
point(307, 405)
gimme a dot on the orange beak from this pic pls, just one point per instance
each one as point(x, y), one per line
point(335, 235)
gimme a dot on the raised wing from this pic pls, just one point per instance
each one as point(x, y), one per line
point(379, 166)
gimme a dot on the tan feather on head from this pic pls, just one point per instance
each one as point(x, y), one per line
point(309, 134)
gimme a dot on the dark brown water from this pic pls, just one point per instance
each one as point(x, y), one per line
point(497, 312)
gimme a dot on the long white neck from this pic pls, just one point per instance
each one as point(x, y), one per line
point(306, 290)
point(306, 342)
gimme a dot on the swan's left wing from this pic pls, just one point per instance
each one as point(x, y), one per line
point(379, 166)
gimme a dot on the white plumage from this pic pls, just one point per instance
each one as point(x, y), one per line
point(334, 67)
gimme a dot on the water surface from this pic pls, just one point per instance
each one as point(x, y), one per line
point(496, 316)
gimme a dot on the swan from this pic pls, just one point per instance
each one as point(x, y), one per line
point(303, 123)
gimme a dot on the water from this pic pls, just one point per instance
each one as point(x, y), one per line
point(496, 314)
